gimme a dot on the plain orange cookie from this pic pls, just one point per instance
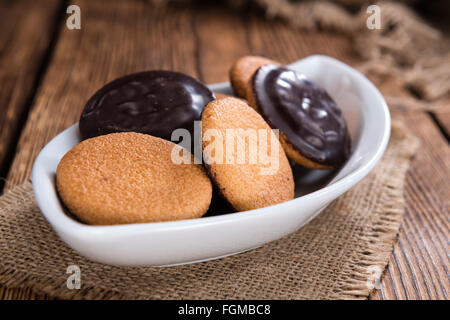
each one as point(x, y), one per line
point(245, 183)
point(242, 71)
point(130, 177)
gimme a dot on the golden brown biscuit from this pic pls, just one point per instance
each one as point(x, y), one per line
point(242, 70)
point(245, 183)
point(130, 178)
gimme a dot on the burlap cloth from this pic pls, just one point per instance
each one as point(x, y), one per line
point(339, 255)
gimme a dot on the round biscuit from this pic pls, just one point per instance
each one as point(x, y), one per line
point(130, 177)
point(242, 70)
point(243, 184)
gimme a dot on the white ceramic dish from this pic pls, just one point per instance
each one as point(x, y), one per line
point(187, 241)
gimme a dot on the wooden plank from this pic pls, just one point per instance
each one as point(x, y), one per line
point(418, 268)
point(279, 41)
point(221, 38)
point(26, 32)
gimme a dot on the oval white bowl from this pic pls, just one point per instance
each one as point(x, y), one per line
point(187, 241)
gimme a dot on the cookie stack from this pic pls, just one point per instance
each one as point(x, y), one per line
point(127, 169)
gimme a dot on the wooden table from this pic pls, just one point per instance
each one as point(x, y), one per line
point(48, 72)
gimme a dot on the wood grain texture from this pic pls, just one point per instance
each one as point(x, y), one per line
point(27, 28)
point(128, 36)
point(418, 268)
point(26, 32)
point(442, 117)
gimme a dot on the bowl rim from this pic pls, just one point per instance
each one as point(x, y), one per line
point(58, 218)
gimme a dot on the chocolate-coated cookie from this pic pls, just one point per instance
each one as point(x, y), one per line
point(312, 128)
point(153, 102)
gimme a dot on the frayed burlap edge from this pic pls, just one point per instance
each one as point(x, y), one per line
point(333, 257)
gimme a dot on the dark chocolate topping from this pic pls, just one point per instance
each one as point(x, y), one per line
point(303, 112)
point(153, 102)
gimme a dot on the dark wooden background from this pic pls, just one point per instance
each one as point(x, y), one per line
point(47, 73)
